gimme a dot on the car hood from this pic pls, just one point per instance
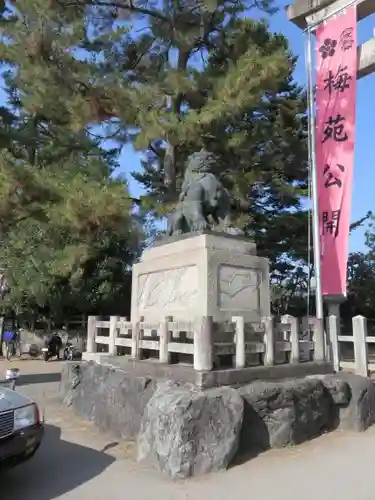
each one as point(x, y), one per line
point(10, 400)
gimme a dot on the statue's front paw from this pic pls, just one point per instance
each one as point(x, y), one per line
point(234, 231)
point(200, 226)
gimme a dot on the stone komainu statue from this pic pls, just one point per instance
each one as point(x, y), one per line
point(204, 203)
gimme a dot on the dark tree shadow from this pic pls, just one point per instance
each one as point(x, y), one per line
point(38, 378)
point(57, 468)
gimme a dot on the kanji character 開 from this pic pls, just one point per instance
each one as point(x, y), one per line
point(331, 222)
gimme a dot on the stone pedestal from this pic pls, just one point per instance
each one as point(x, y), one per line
point(210, 274)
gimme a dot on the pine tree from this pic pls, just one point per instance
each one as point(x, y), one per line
point(69, 235)
point(78, 255)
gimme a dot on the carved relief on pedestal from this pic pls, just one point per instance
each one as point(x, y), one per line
point(238, 288)
point(170, 289)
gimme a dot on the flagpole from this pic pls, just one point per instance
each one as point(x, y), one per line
point(314, 178)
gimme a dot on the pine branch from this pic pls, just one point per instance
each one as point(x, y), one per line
point(359, 223)
point(127, 5)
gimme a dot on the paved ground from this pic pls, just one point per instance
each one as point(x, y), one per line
point(77, 463)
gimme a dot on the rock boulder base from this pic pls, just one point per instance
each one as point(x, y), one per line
point(111, 398)
point(338, 388)
point(355, 405)
point(187, 432)
point(279, 414)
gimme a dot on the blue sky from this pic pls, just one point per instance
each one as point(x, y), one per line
point(364, 170)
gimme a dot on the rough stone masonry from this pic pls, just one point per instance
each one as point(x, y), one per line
point(185, 431)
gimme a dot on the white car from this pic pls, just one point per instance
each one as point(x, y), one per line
point(21, 426)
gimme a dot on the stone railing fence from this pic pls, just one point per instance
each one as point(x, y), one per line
point(269, 343)
point(360, 358)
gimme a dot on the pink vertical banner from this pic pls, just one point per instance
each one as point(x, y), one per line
point(335, 131)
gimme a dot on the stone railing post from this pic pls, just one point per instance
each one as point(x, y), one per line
point(269, 341)
point(164, 356)
point(203, 344)
point(319, 343)
point(112, 348)
point(333, 330)
point(333, 303)
point(294, 338)
point(360, 345)
point(91, 334)
point(240, 341)
point(135, 352)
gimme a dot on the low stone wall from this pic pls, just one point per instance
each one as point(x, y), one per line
point(186, 431)
point(34, 340)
